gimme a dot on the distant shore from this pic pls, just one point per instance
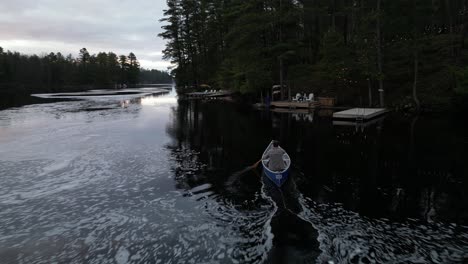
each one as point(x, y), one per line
point(15, 96)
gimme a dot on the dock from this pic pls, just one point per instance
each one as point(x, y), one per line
point(359, 125)
point(209, 95)
point(292, 110)
point(360, 114)
point(295, 104)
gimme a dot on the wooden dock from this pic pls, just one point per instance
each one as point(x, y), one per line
point(294, 104)
point(360, 114)
point(209, 95)
point(358, 125)
point(293, 111)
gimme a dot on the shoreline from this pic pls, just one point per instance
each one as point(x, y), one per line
point(18, 98)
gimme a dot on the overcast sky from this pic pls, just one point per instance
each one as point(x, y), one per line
point(66, 26)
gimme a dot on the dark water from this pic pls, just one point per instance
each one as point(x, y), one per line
point(139, 178)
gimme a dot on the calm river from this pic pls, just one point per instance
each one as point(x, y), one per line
point(137, 177)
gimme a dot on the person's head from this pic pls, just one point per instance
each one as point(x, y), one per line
point(275, 143)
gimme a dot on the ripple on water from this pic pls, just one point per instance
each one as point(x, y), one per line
point(347, 237)
point(242, 231)
point(75, 188)
point(119, 208)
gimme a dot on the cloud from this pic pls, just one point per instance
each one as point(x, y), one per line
point(121, 26)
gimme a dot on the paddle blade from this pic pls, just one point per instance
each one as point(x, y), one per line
point(236, 175)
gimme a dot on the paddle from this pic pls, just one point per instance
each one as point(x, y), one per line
point(247, 169)
point(235, 175)
point(255, 164)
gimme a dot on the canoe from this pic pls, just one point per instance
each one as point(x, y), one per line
point(278, 177)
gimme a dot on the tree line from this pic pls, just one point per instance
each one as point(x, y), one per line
point(371, 52)
point(154, 76)
point(56, 72)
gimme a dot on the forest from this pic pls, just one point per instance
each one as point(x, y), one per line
point(399, 53)
point(56, 72)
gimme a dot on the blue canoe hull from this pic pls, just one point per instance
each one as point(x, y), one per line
point(277, 177)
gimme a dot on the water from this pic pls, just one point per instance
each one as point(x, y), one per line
point(144, 178)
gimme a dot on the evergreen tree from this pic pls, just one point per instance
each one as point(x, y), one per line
point(123, 69)
point(113, 67)
point(54, 72)
point(133, 69)
point(103, 75)
point(2, 65)
point(84, 60)
point(327, 47)
point(154, 77)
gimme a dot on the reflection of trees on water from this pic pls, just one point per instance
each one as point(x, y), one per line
point(224, 137)
point(394, 168)
point(210, 141)
point(397, 168)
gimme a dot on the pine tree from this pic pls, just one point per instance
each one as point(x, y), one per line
point(133, 69)
point(123, 69)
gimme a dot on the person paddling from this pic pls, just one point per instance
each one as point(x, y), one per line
point(275, 156)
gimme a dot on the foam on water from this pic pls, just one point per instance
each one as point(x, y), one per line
point(110, 186)
point(98, 187)
point(347, 237)
point(244, 229)
point(267, 227)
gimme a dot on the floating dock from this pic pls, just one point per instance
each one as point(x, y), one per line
point(209, 95)
point(292, 111)
point(294, 104)
point(360, 126)
point(360, 114)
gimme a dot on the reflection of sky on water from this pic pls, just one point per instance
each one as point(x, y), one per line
point(158, 100)
point(90, 181)
point(118, 179)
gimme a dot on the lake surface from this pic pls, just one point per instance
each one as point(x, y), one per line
point(137, 177)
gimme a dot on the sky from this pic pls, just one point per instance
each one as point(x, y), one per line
point(121, 26)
